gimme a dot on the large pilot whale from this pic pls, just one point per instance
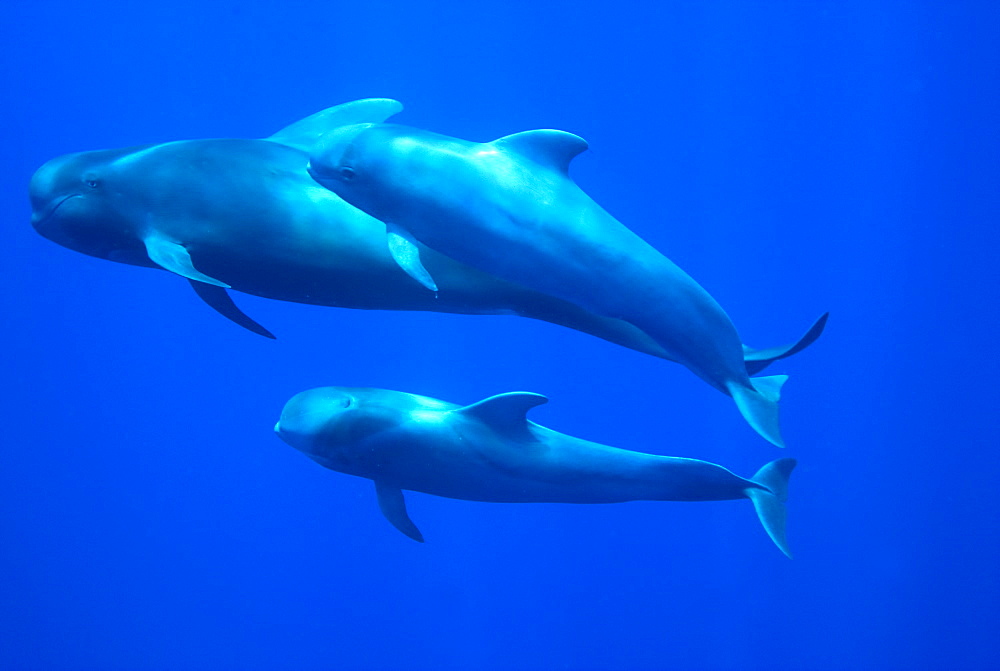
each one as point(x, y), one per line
point(510, 208)
point(244, 214)
point(490, 451)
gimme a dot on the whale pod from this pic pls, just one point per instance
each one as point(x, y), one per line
point(510, 208)
point(245, 214)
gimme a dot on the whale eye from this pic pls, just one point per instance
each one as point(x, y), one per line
point(91, 181)
point(346, 173)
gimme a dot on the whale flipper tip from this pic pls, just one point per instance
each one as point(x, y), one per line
point(174, 257)
point(405, 252)
point(393, 506)
point(219, 300)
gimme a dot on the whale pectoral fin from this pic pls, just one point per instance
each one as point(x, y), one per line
point(305, 133)
point(393, 506)
point(757, 360)
point(405, 252)
point(219, 300)
point(172, 256)
point(506, 413)
point(550, 148)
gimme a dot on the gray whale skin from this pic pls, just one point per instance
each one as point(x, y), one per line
point(510, 208)
point(245, 214)
point(490, 451)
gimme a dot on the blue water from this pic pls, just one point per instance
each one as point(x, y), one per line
point(793, 157)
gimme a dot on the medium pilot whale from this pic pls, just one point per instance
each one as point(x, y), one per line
point(490, 451)
point(244, 214)
point(510, 208)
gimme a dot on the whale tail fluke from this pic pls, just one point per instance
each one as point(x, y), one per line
point(769, 502)
point(757, 360)
point(759, 405)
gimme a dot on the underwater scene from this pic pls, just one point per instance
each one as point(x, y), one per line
point(500, 336)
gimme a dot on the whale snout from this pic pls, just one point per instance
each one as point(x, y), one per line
point(42, 190)
point(43, 180)
point(40, 215)
point(53, 185)
point(309, 415)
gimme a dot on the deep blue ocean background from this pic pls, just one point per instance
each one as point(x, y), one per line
point(793, 157)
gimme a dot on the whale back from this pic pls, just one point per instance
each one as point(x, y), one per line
point(307, 133)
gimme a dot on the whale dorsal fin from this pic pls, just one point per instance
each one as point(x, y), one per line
point(305, 133)
point(505, 412)
point(551, 148)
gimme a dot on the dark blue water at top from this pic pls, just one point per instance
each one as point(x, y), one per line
point(793, 157)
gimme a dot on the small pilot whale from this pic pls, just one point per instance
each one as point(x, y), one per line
point(510, 208)
point(244, 214)
point(490, 451)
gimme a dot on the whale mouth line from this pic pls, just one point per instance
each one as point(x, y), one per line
point(306, 414)
point(52, 210)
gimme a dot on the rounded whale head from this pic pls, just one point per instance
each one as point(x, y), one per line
point(76, 202)
point(355, 162)
point(307, 415)
point(325, 421)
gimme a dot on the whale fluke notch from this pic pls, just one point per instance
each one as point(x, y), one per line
point(219, 300)
point(393, 506)
point(172, 256)
point(306, 133)
point(505, 412)
point(550, 148)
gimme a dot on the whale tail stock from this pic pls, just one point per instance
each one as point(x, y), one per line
point(769, 499)
point(758, 403)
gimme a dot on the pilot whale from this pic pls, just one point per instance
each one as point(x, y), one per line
point(244, 214)
point(490, 451)
point(510, 208)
